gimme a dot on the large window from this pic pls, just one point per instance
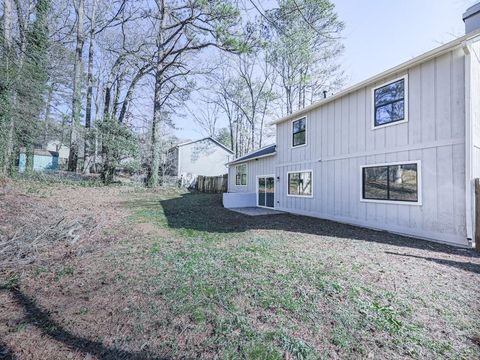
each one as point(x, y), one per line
point(299, 129)
point(300, 183)
point(390, 103)
point(396, 182)
point(241, 174)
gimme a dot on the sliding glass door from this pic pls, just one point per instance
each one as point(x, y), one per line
point(266, 191)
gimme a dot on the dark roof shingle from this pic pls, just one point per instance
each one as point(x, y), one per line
point(267, 150)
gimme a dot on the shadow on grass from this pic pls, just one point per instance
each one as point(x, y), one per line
point(5, 353)
point(42, 320)
point(204, 212)
point(466, 266)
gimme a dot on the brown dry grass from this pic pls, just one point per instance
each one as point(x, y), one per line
point(153, 275)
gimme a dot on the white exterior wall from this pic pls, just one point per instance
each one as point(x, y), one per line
point(203, 157)
point(259, 167)
point(473, 121)
point(340, 139)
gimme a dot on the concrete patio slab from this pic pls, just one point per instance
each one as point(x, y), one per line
point(256, 211)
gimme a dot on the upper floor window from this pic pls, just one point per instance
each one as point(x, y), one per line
point(241, 174)
point(390, 103)
point(298, 129)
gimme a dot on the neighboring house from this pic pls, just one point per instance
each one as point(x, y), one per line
point(43, 160)
point(62, 149)
point(397, 152)
point(205, 157)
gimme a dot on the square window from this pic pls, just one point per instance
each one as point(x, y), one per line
point(300, 183)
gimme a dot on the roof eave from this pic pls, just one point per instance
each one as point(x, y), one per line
point(250, 159)
point(402, 67)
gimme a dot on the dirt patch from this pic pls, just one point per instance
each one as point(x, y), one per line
point(152, 229)
point(165, 275)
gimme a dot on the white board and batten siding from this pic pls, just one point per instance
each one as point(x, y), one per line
point(246, 195)
point(473, 122)
point(340, 139)
point(475, 107)
point(257, 167)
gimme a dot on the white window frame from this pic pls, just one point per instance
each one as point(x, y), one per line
point(395, 202)
point(311, 185)
point(246, 174)
point(256, 190)
point(291, 132)
point(405, 100)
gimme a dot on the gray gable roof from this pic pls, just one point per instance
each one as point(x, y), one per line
point(265, 151)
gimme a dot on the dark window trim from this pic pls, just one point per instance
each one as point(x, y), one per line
point(403, 78)
point(299, 132)
point(388, 166)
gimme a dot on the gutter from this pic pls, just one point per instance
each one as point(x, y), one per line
point(250, 159)
point(399, 68)
point(469, 197)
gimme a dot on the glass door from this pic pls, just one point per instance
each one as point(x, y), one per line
point(269, 191)
point(266, 191)
point(261, 191)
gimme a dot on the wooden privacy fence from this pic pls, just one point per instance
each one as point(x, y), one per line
point(211, 184)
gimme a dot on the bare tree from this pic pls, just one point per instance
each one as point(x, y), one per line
point(206, 116)
point(184, 28)
point(7, 28)
point(77, 86)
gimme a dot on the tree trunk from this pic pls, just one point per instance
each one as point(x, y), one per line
point(29, 158)
point(47, 112)
point(88, 109)
point(153, 180)
point(77, 89)
point(130, 91)
point(7, 38)
point(106, 175)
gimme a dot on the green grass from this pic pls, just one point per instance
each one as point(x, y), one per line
point(258, 295)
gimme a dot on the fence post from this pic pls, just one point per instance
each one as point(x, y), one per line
point(477, 214)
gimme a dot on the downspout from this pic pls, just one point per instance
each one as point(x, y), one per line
point(469, 191)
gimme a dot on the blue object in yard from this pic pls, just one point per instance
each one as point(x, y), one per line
point(43, 160)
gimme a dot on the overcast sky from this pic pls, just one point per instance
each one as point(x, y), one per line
point(381, 34)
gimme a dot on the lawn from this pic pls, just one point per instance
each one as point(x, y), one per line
point(169, 274)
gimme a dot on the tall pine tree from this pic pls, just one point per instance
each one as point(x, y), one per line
point(32, 85)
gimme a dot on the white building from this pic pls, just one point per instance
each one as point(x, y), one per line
point(206, 157)
point(397, 152)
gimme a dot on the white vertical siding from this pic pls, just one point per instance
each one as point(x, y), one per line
point(475, 108)
point(340, 139)
point(262, 166)
point(474, 134)
point(203, 157)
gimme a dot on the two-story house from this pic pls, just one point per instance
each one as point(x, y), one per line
point(206, 157)
point(397, 152)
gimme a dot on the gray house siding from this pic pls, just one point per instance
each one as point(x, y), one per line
point(442, 134)
point(340, 139)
